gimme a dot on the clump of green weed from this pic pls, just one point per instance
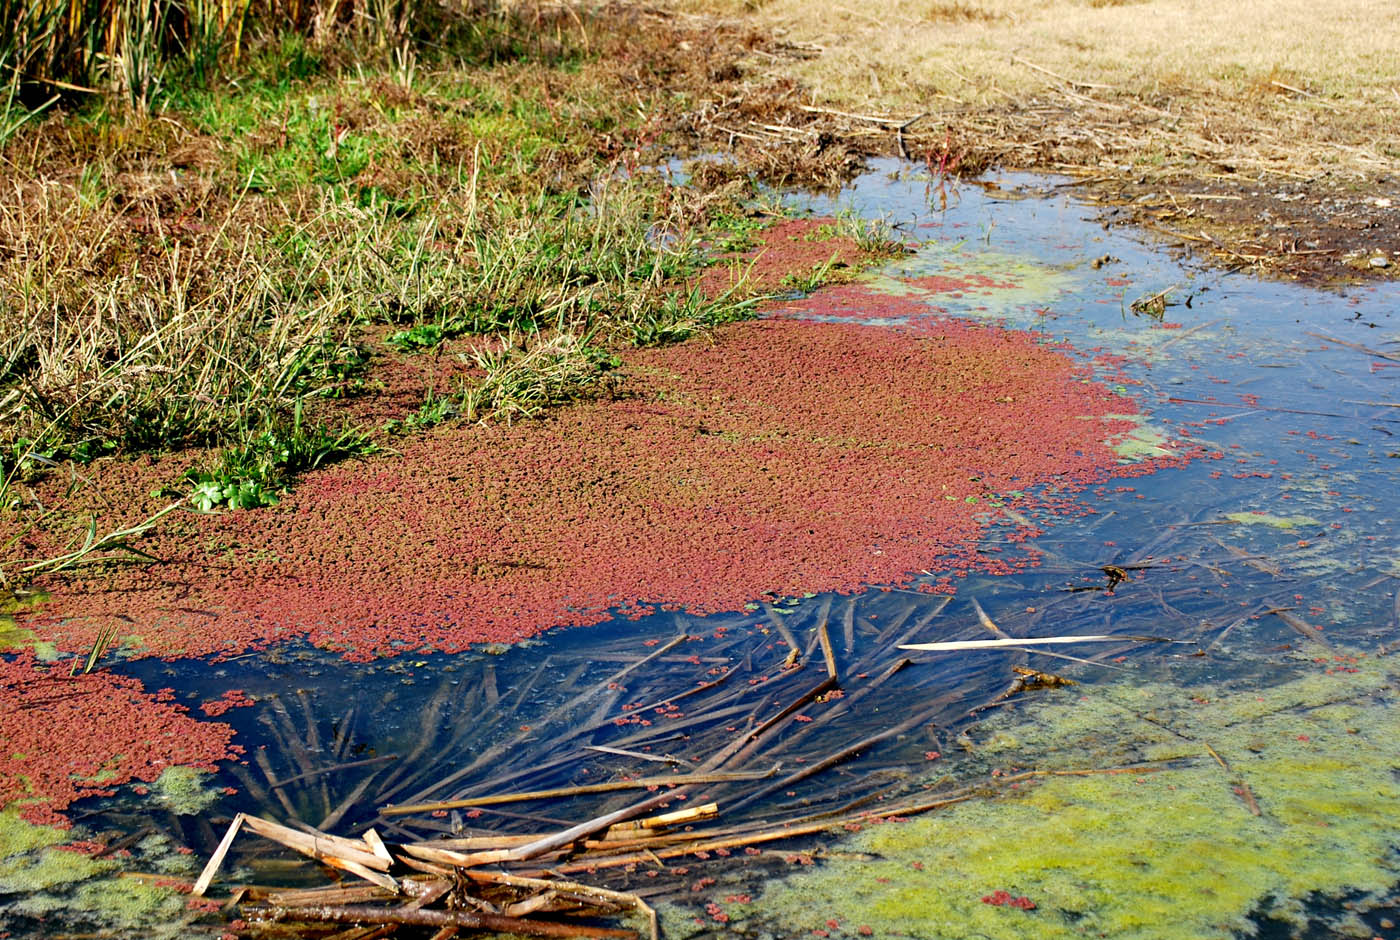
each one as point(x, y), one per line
point(678, 315)
point(872, 236)
point(434, 410)
point(335, 370)
point(804, 282)
point(734, 231)
point(418, 337)
point(252, 474)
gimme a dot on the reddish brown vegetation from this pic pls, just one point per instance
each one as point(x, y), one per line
point(791, 248)
point(787, 457)
point(946, 284)
point(856, 302)
point(66, 737)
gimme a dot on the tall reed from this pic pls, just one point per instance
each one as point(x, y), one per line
point(52, 48)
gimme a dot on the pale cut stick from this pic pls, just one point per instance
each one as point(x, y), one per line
point(1029, 641)
point(217, 859)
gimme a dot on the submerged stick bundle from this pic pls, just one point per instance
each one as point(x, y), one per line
point(755, 763)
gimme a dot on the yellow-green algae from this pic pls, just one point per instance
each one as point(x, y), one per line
point(1268, 519)
point(40, 880)
point(1143, 441)
point(1027, 285)
point(1172, 853)
point(12, 635)
point(185, 791)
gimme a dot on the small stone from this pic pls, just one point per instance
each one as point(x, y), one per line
point(1380, 261)
point(1384, 203)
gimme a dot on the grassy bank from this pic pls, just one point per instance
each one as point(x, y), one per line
point(223, 266)
point(181, 278)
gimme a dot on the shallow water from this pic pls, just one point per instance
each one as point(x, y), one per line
point(1289, 511)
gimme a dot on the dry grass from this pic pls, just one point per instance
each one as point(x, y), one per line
point(1260, 86)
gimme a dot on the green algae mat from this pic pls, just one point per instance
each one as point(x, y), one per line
point(1134, 810)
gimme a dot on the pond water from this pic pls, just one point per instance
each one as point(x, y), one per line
point(1267, 564)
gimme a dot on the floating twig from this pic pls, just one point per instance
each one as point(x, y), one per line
point(1031, 641)
point(640, 784)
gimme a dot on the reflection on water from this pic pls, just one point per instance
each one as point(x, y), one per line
point(1277, 548)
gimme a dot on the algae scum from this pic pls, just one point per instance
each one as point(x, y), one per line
point(1240, 780)
point(1152, 814)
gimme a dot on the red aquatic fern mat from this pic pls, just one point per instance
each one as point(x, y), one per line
point(65, 737)
point(784, 457)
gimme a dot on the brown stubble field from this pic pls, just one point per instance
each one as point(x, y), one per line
point(1262, 135)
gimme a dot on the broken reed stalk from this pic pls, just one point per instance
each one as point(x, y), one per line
point(988, 622)
point(636, 755)
point(364, 914)
point(333, 768)
point(752, 838)
point(834, 759)
point(624, 834)
point(828, 653)
point(777, 620)
point(744, 745)
point(848, 624)
point(212, 866)
point(1301, 627)
point(543, 845)
point(317, 897)
point(576, 887)
point(1031, 641)
point(644, 783)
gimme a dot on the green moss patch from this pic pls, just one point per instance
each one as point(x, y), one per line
point(18, 836)
point(1174, 849)
point(185, 790)
point(45, 874)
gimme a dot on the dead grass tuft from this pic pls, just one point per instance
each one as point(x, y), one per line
point(955, 11)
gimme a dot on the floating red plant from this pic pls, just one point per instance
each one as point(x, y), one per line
point(66, 737)
point(1000, 898)
point(857, 302)
point(786, 457)
point(233, 698)
point(793, 247)
point(962, 283)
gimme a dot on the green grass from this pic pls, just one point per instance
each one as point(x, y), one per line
point(524, 379)
point(301, 210)
point(434, 411)
point(253, 473)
